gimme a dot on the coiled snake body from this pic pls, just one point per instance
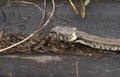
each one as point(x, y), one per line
point(71, 34)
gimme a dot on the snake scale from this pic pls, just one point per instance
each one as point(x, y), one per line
point(71, 34)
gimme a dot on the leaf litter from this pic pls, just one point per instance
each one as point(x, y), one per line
point(44, 44)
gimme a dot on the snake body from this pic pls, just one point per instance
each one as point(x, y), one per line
point(71, 34)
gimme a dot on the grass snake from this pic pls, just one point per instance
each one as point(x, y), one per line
point(71, 34)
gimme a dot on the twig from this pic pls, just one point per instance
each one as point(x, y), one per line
point(76, 68)
point(38, 29)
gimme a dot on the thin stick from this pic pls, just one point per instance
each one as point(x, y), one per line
point(40, 28)
point(76, 67)
point(73, 6)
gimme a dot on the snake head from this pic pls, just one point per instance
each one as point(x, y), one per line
point(66, 33)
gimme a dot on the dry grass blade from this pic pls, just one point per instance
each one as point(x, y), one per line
point(76, 67)
point(73, 6)
point(38, 29)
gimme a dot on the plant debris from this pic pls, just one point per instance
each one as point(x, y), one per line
point(43, 44)
point(39, 28)
point(83, 4)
